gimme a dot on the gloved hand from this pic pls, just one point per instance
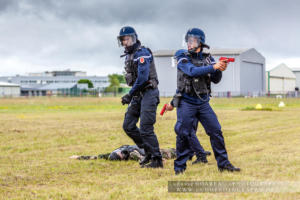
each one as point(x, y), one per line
point(126, 99)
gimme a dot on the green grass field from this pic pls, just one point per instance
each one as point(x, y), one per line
point(38, 135)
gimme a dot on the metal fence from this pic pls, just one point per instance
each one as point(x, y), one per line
point(77, 92)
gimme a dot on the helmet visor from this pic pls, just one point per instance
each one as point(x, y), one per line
point(127, 40)
point(193, 40)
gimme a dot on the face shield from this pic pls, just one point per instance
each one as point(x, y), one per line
point(192, 41)
point(127, 40)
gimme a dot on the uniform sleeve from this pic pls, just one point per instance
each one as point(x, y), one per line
point(144, 58)
point(217, 75)
point(184, 64)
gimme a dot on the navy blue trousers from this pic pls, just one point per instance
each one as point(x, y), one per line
point(188, 116)
point(195, 145)
point(144, 108)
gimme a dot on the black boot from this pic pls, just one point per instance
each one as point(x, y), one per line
point(145, 160)
point(200, 159)
point(207, 153)
point(155, 163)
point(229, 167)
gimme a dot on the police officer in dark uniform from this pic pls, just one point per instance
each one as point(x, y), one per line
point(143, 98)
point(195, 72)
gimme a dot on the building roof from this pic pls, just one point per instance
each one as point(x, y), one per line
point(282, 70)
point(9, 84)
point(213, 51)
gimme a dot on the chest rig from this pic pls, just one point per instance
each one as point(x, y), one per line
point(195, 86)
point(131, 70)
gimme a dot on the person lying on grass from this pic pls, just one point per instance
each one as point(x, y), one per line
point(129, 152)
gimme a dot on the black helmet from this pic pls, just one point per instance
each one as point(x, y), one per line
point(114, 156)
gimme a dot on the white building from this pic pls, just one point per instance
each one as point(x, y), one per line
point(9, 90)
point(297, 74)
point(246, 76)
point(34, 84)
point(280, 80)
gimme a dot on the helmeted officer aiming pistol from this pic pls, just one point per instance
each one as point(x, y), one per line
point(195, 72)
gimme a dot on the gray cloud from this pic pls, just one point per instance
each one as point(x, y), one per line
point(5, 4)
point(56, 34)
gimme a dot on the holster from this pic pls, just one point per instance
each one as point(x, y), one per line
point(176, 100)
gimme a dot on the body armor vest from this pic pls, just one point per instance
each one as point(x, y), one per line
point(131, 70)
point(195, 86)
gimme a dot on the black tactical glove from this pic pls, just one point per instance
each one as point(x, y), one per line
point(126, 99)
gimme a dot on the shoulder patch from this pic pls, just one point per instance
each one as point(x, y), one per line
point(142, 60)
point(143, 56)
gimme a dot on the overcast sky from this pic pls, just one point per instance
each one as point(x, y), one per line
point(40, 35)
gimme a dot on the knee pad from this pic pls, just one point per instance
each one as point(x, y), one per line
point(214, 133)
point(177, 128)
point(182, 131)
